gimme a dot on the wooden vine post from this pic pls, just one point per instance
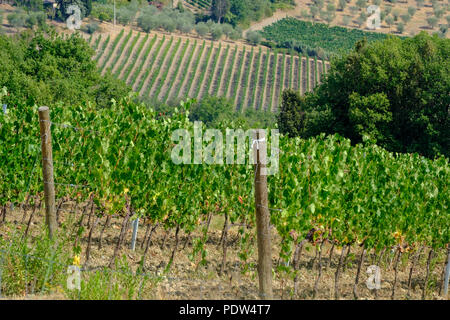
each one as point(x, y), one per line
point(47, 170)
point(262, 216)
point(447, 272)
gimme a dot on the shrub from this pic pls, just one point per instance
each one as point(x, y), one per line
point(202, 29)
point(16, 19)
point(254, 37)
point(216, 31)
point(91, 27)
point(432, 22)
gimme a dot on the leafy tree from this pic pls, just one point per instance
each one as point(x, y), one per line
point(304, 14)
point(186, 26)
point(361, 20)
point(31, 21)
point(411, 11)
point(167, 23)
point(400, 27)
point(124, 15)
point(16, 19)
point(147, 22)
point(420, 3)
point(91, 27)
point(254, 37)
point(329, 17)
point(392, 91)
point(346, 20)
point(84, 5)
point(406, 18)
point(43, 68)
point(396, 14)
point(439, 13)
point(389, 21)
point(220, 8)
point(342, 4)
point(361, 4)
point(202, 29)
point(227, 29)
point(216, 31)
point(319, 3)
point(353, 10)
point(432, 22)
point(211, 111)
point(331, 7)
point(388, 10)
point(236, 34)
point(291, 118)
point(314, 11)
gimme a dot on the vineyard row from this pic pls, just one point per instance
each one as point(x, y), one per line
point(170, 67)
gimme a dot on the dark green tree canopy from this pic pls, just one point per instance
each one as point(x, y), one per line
point(395, 92)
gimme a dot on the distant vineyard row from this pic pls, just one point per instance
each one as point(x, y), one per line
point(290, 32)
point(169, 67)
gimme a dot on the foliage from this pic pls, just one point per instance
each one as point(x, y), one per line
point(392, 91)
point(43, 68)
point(351, 194)
point(254, 37)
point(84, 5)
point(307, 37)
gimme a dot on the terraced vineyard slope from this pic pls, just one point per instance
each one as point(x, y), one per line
point(166, 67)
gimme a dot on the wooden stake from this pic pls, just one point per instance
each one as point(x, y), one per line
point(47, 170)
point(262, 219)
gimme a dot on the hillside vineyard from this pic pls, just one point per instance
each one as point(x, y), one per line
point(168, 67)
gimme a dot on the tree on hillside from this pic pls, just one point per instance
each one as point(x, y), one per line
point(411, 11)
point(353, 10)
point(216, 31)
point(84, 5)
point(254, 37)
point(346, 20)
point(227, 29)
point(291, 118)
point(400, 27)
point(342, 4)
point(202, 29)
point(314, 11)
point(406, 18)
point(432, 22)
point(220, 8)
point(420, 3)
point(389, 21)
point(361, 4)
point(395, 92)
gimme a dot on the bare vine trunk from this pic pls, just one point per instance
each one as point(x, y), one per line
point(88, 249)
point(425, 285)
point(100, 239)
point(224, 245)
point(358, 272)
point(319, 267)
point(121, 236)
point(337, 274)
point(399, 254)
point(297, 255)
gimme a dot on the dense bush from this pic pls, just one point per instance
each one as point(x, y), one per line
point(394, 91)
point(214, 110)
point(42, 69)
point(254, 37)
point(90, 27)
